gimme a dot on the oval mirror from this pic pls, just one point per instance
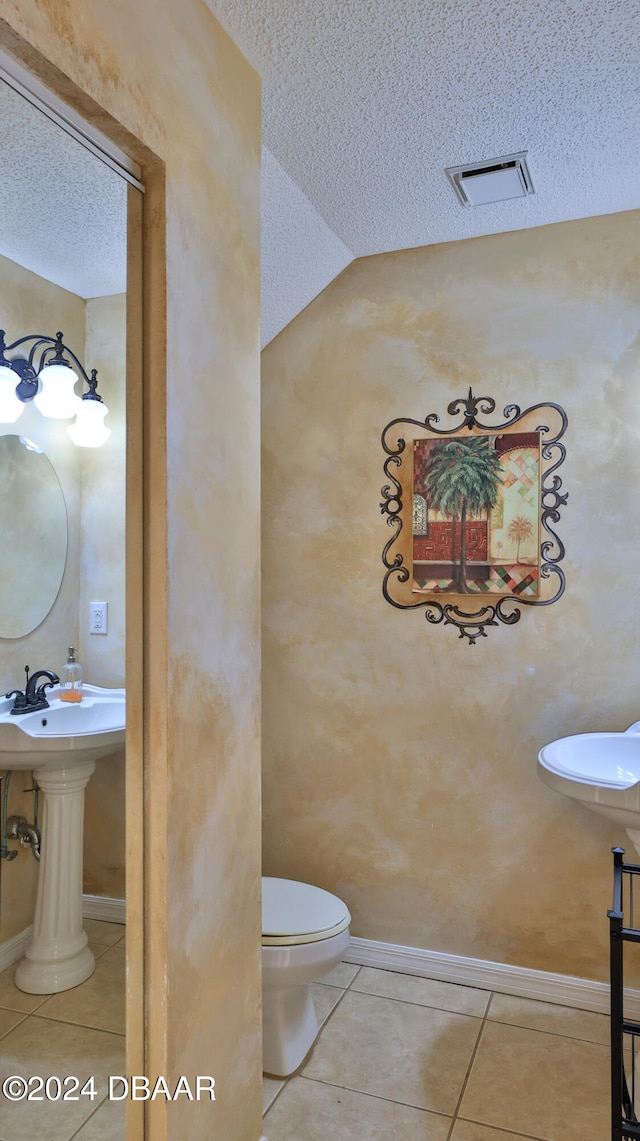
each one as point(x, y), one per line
point(33, 526)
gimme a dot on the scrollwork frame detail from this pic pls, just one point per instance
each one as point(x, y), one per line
point(506, 610)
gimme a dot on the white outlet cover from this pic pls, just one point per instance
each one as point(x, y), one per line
point(98, 617)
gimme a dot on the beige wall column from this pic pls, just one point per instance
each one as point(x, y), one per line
point(170, 87)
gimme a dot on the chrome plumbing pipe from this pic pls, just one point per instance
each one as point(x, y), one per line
point(6, 853)
point(18, 828)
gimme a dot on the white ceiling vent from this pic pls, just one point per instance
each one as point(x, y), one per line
point(479, 183)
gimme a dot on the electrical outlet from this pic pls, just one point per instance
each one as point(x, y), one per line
point(98, 617)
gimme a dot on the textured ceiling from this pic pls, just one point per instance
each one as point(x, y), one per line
point(63, 210)
point(365, 102)
point(299, 255)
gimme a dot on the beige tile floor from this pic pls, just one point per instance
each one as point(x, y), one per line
point(417, 1060)
point(80, 1032)
point(398, 1057)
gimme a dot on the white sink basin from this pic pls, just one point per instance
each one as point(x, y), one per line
point(65, 733)
point(601, 770)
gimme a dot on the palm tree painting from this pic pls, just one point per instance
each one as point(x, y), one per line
point(479, 519)
point(519, 530)
point(462, 478)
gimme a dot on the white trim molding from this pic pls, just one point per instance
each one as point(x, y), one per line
point(13, 949)
point(104, 908)
point(566, 990)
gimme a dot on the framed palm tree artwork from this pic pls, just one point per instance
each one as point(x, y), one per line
point(485, 499)
point(476, 503)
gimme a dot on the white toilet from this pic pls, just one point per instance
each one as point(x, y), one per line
point(305, 932)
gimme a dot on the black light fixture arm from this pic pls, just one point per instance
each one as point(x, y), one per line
point(52, 352)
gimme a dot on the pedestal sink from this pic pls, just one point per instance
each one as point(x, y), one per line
point(602, 771)
point(61, 745)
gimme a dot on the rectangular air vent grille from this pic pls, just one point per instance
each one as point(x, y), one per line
point(495, 180)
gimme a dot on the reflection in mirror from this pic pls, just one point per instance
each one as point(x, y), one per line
point(63, 262)
point(33, 525)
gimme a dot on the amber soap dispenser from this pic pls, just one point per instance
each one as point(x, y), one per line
point(71, 679)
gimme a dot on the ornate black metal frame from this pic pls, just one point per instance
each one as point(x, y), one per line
point(473, 625)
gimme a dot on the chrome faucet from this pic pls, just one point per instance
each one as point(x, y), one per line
point(34, 696)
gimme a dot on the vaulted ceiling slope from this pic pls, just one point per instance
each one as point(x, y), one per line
point(366, 102)
point(300, 254)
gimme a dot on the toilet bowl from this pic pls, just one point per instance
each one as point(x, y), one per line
point(305, 932)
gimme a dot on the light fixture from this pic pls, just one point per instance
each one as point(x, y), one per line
point(10, 405)
point(57, 398)
point(50, 383)
point(89, 430)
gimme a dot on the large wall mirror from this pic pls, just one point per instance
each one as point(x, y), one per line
point(64, 260)
point(33, 526)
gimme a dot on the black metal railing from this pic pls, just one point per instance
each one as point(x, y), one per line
point(625, 1034)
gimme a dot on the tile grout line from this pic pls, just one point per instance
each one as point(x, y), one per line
point(481, 1017)
point(43, 999)
point(377, 1096)
point(472, 1059)
point(87, 1119)
point(551, 1033)
point(81, 1025)
point(275, 1096)
point(507, 1132)
point(17, 1024)
point(337, 1004)
point(419, 1005)
point(335, 1007)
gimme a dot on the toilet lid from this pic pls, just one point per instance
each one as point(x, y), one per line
point(294, 912)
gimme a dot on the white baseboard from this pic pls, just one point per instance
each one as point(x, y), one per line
point(13, 949)
point(104, 908)
point(566, 990)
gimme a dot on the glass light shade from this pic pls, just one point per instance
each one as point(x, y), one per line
point(10, 406)
point(88, 429)
point(56, 397)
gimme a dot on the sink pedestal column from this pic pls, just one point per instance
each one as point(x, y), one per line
point(58, 956)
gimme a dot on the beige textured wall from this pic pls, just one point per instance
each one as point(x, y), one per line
point(399, 761)
point(102, 578)
point(103, 484)
point(174, 81)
